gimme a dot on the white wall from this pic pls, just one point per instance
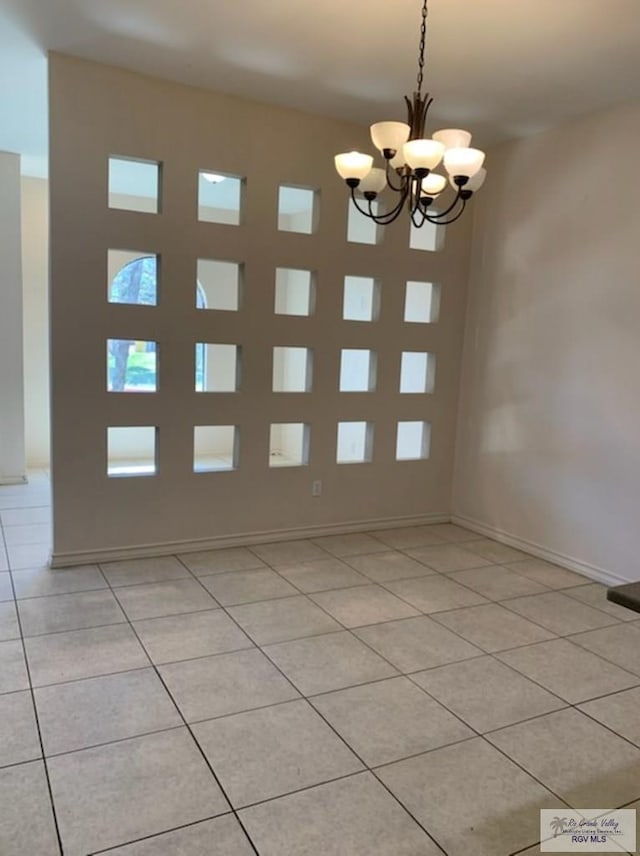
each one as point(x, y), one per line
point(548, 446)
point(35, 274)
point(95, 516)
point(12, 457)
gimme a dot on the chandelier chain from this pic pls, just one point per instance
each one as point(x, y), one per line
point(423, 39)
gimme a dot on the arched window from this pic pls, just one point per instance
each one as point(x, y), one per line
point(132, 365)
point(201, 356)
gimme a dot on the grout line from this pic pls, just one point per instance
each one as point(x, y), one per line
point(130, 622)
point(38, 728)
point(158, 834)
point(188, 726)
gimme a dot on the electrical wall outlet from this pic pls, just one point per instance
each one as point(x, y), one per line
point(316, 488)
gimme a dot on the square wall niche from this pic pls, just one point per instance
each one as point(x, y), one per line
point(295, 292)
point(357, 370)
point(422, 302)
point(134, 185)
point(217, 367)
point(292, 369)
point(131, 451)
point(355, 442)
point(413, 441)
point(133, 277)
point(417, 372)
point(298, 209)
point(219, 285)
point(132, 366)
point(361, 300)
point(215, 448)
point(429, 237)
point(289, 444)
point(360, 228)
point(220, 197)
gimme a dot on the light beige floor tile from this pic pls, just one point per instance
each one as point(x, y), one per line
point(26, 500)
point(620, 712)
point(448, 557)
point(76, 611)
point(471, 798)
point(153, 600)
point(409, 536)
point(222, 836)
point(19, 740)
point(28, 556)
point(389, 566)
point(487, 694)
point(225, 684)
point(416, 643)
point(493, 628)
point(279, 620)
point(28, 533)
point(323, 663)
point(43, 582)
point(356, 607)
point(435, 593)
point(289, 552)
point(83, 654)
point(495, 552)
point(558, 613)
point(4, 559)
point(247, 586)
point(497, 583)
point(163, 777)
point(8, 622)
point(606, 773)
point(100, 710)
point(596, 595)
point(620, 644)
point(13, 670)
point(26, 819)
point(193, 634)
point(350, 545)
point(133, 571)
point(453, 533)
point(25, 516)
point(273, 751)
point(322, 575)
point(351, 817)
point(6, 589)
point(221, 561)
point(389, 720)
point(568, 671)
point(547, 574)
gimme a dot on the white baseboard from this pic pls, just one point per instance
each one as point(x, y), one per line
point(169, 548)
point(7, 480)
point(592, 571)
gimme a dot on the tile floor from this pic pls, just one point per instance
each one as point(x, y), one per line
point(417, 691)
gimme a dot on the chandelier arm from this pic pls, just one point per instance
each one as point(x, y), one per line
point(380, 219)
point(447, 210)
point(453, 219)
point(390, 216)
point(403, 179)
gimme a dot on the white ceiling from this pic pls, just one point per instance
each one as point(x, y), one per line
point(502, 68)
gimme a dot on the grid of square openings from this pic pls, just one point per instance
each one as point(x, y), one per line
point(134, 278)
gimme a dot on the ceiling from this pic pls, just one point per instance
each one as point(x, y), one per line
point(502, 68)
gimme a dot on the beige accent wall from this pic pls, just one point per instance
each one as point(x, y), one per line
point(97, 111)
point(12, 456)
point(35, 278)
point(548, 447)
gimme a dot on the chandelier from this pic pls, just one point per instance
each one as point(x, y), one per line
point(410, 159)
